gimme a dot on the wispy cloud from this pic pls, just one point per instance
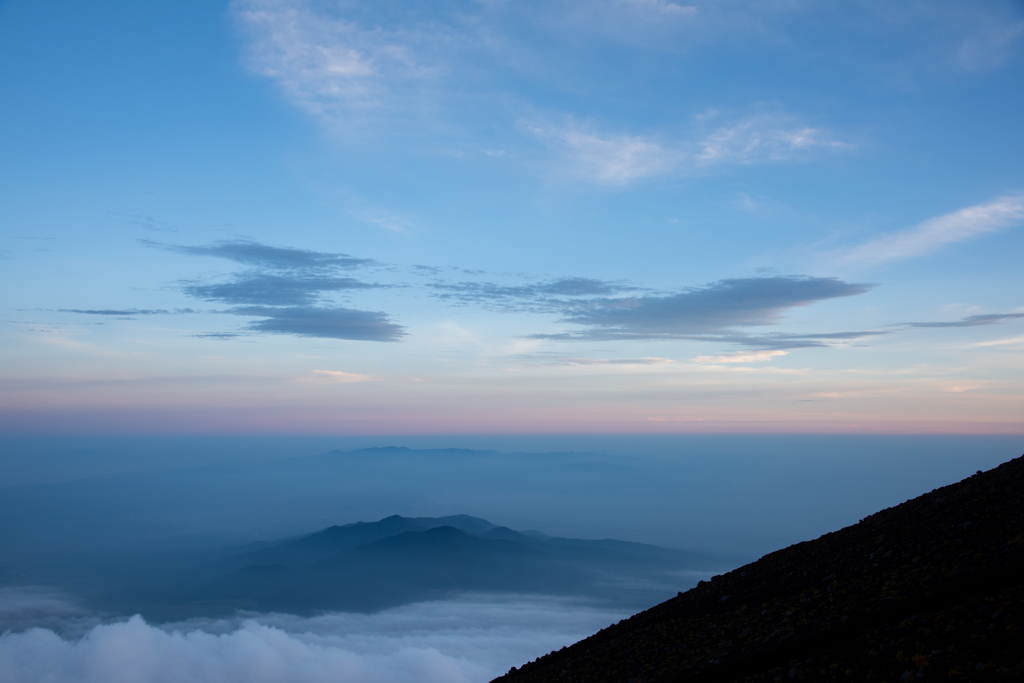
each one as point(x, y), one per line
point(661, 7)
point(125, 311)
point(352, 65)
point(611, 159)
point(764, 138)
point(1012, 341)
point(741, 357)
point(385, 220)
point(930, 236)
point(336, 377)
point(988, 36)
point(620, 158)
point(972, 320)
point(613, 361)
point(543, 295)
point(323, 63)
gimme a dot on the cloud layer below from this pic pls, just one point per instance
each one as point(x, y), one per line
point(463, 641)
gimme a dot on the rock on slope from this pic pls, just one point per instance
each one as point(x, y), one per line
point(932, 589)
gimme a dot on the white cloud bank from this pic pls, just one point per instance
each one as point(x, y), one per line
point(471, 640)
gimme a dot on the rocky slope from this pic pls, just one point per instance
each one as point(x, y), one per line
point(932, 589)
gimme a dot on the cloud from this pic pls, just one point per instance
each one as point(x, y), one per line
point(329, 323)
point(125, 311)
point(327, 65)
point(276, 276)
point(273, 289)
point(741, 357)
point(933, 234)
point(531, 296)
point(460, 641)
point(287, 287)
point(336, 377)
point(972, 320)
point(989, 35)
point(618, 159)
point(660, 7)
point(613, 361)
point(609, 159)
point(252, 253)
point(216, 335)
point(25, 607)
point(763, 138)
point(999, 342)
point(713, 309)
point(385, 220)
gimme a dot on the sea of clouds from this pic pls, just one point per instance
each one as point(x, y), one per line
point(47, 639)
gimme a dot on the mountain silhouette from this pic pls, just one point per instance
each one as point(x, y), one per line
point(367, 566)
point(322, 544)
point(929, 589)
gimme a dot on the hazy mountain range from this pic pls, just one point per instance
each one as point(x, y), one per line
point(366, 566)
point(260, 536)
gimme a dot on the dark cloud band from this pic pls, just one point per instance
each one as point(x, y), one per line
point(329, 323)
point(711, 310)
point(252, 253)
point(270, 289)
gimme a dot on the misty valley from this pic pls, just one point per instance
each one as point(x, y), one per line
point(170, 544)
point(464, 562)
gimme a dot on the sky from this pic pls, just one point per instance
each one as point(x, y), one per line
point(473, 217)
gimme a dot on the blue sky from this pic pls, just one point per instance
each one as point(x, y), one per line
point(412, 217)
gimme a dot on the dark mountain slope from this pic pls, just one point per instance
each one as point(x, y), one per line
point(930, 589)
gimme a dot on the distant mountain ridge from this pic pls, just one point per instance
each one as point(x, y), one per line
point(371, 565)
point(321, 544)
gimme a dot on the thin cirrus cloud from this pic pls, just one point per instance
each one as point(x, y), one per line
point(928, 237)
point(742, 357)
point(338, 377)
point(314, 60)
point(287, 288)
point(363, 65)
point(609, 159)
point(764, 138)
point(648, 360)
point(972, 320)
point(618, 159)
